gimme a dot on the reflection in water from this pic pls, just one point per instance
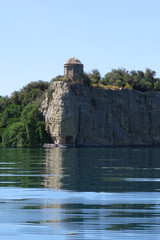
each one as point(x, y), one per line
point(103, 169)
point(84, 193)
point(53, 168)
point(21, 167)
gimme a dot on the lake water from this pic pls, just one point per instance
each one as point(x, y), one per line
point(83, 193)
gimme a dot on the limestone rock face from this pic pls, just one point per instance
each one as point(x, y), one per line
point(80, 115)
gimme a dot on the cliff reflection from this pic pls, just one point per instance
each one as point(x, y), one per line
point(103, 169)
point(53, 168)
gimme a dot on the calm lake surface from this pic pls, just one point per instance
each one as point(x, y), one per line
point(83, 193)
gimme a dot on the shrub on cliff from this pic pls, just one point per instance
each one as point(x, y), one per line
point(117, 77)
point(59, 78)
point(157, 85)
point(143, 81)
point(137, 80)
point(94, 76)
point(84, 79)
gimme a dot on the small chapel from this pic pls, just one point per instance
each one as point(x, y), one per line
point(73, 68)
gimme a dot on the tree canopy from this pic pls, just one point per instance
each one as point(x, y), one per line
point(137, 80)
point(21, 122)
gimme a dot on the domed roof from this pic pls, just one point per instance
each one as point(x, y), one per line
point(73, 61)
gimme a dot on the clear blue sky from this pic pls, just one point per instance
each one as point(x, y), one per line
point(38, 36)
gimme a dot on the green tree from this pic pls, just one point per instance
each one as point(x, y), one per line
point(34, 125)
point(143, 81)
point(149, 75)
point(157, 85)
point(117, 77)
point(95, 76)
point(84, 79)
point(14, 135)
point(4, 102)
point(11, 114)
point(29, 93)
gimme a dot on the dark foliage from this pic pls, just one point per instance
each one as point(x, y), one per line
point(95, 76)
point(30, 93)
point(21, 122)
point(84, 79)
point(24, 128)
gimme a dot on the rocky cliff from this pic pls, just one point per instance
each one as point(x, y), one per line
point(81, 115)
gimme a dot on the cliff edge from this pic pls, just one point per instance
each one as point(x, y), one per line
point(80, 115)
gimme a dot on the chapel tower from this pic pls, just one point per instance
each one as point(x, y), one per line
point(73, 68)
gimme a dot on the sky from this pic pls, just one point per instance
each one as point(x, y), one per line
point(38, 36)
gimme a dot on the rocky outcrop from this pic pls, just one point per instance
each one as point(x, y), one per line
point(80, 115)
